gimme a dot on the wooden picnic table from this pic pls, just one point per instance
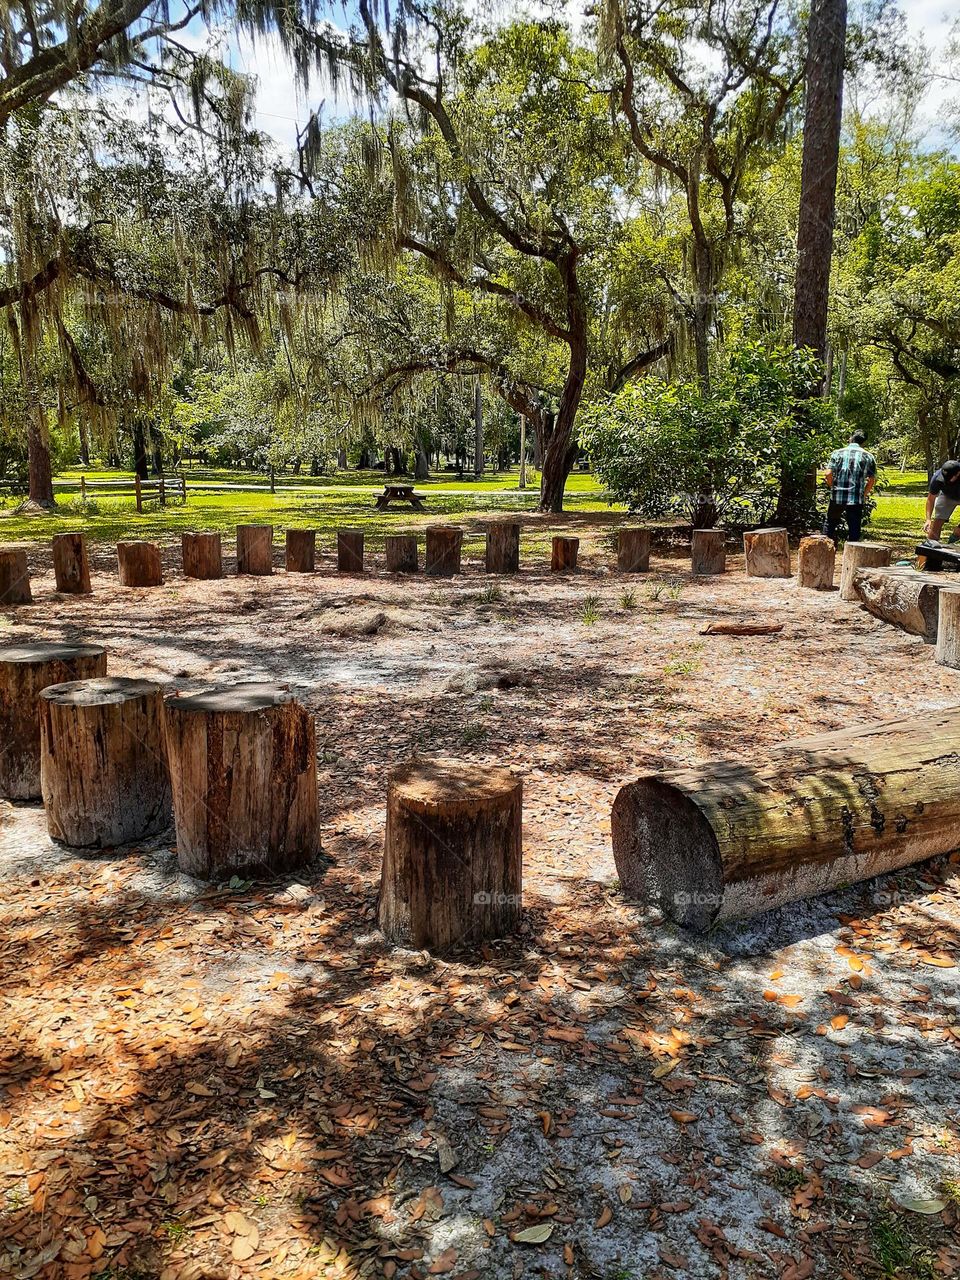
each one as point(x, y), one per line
point(399, 493)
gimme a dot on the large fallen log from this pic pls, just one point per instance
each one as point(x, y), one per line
point(904, 597)
point(727, 840)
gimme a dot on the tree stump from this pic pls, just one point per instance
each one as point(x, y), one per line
point(861, 555)
point(903, 597)
point(503, 547)
point(444, 544)
point(301, 550)
point(563, 558)
point(255, 549)
point(633, 549)
point(14, 576)
point(708, 551)
point(401, 553)
point(202, 555)
point(767, 553)
point(139, 564)
point(243, 770)
point(24, 671)
point(71, 567)
point(722, 841)
point(103, 769)
point(948, 632)
point(452, 858)
point(350, 551)
point(816, 562)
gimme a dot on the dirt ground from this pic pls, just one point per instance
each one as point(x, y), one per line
point(245, 1080)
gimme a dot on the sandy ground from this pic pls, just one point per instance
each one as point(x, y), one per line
point(220, 1081)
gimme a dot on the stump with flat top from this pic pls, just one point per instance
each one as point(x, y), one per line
point(948, 630)
point(138, 564)
point(243, 770)
point(727, 840)
point(767, 553)
point(401, 553)
point(71, 567)
point(563, 558)
point(861, 555)
point(24, 671)
point(708, 551)
point(301, 550)
point(103, 768)
point(633, 549)
point(255, 549)
point(14, 576)
point(503, 547)
point(350, 551)
point(452, 858)
point(816, 561)
point(444, 545)
point(202, 555)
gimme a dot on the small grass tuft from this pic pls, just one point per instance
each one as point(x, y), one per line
point(589, 611)
point(628, 599)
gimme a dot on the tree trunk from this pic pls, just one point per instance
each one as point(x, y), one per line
point(14, 576)
point(563, 557)
point(38, 458)
point(301, 550)
point(140, 465)
point(503, 547)
point(633, 549)
point(255, 549)
point(816, 563)
point(708, 551)
point(726, 840)
point(903, 597)
point(477, 431)
point(139, 564)
point(421, 469)
point(442, 556)
point(560, 449)
point(350, 551)
point(948, 631)
point(71, 567)
point(452, 857)
point(861, 555)
point(84, 443)
point(401, 553)
point(24, 671)
point(103, 768)
point(202, 555)
point(767, 553)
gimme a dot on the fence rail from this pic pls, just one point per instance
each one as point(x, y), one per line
point(162, 489)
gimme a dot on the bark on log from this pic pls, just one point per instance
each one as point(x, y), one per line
point(708, 551)
point(726, 840)
point(564, 556)
point(103, 769)
point(633, 549)
point(442, 556)
point(948, 631)
point(816, 563)
point(71, 567)
point(452, 858)
point(904, 597)
point(255, 549)
point(301, 551)
point(350, 551)
point(243, 769)
point(14, 577)
point(401, 553)
point(861, 555)
point(202, 555)
point(767, 553)
point(139, 564)
point(24, 671)
point(503, 547)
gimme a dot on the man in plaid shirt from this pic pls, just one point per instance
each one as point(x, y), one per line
point(851, 475)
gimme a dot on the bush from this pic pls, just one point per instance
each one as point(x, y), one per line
point(718, 457)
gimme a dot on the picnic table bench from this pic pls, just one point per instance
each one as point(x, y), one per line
point(399, 493)
point(940, 559)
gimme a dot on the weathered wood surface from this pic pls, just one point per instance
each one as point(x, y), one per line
point(453, 854)
point(857, 556)
point(14, 576)
point(350, 551)
point(816, 562)
point(633, 549)
point(563, 557)
point(243, 770)
point(255, 549)
point(444, 546)
point(401, 553)
point(71, 565)
point(948, 631)
point(708, 551)
point(767, 553)
point(24, 671)
point(301, 551)
point(728, 840)
point(904, 597)
point(742, 629)
point(202, 555)
point(103, 769)
point(139, 565)
point(503, 547)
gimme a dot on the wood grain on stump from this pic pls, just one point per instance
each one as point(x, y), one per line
point(14, 576)
point(255, 549)
point(401, 553)
point(708, 551)
point(139, 564)
point(857, 556)
point(767, 553)
point(442, 556)
point(633, 549)
point(727, 840)
point(563, 558)
point(816, 562)
point(350, 551)
point(24, 671)
point(301, 550)
point(452, 858)
point(948, 631)
point(243, 768)
point(503, 547)
point(902, 596)
point(103, 769)
point(71, 567)
point(202, 555)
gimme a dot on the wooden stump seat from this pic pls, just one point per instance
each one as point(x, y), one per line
point(767, 553)
point(444, 545)
point(138, 564)
point(14, 576)
point(816, 562)
point(633, 549)
point(255, 549)
point(857, 556)
point(350, 551)
point(948, 630)
point(71, 566)
point(563, 558)
point(401, 553)
point(708, 551)
point(301, 551)
point(202, 555)
point(503, 547)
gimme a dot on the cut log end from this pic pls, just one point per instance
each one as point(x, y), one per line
point(767, 553)
point(246, 697)
point(857, 556)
